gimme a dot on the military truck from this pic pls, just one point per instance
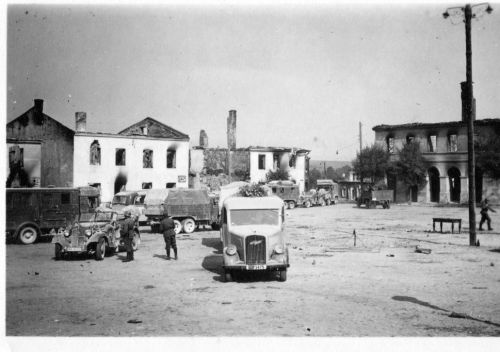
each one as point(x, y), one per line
point(286, 190)
point(326, 193)
point(132, 201)
point(33, 212)
point(189, 208)
point(371, 198)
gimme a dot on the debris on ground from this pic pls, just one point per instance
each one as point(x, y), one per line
point(492, 264)
point(423, 250)
point(134, 321)
point(390, 255)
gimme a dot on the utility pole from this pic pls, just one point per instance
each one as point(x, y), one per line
point(360, 158)
point(467, 13)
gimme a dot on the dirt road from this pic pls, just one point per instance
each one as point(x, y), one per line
point(381, 287)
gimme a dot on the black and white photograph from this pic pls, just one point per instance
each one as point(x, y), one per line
point(227, 175)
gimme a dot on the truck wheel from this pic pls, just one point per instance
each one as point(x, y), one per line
point(307, 204)
point(215, 226)
point(283, 275)
point(58, 251)
point(388, 205)
point(226, 276)
point(100, 249)
point(28, 235)
point(178, 227)
point(291, 204)
point(328, 201)
point(136, 241)
point(188, 225)
point(321, 202)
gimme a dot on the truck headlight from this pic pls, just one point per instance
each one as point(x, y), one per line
point(231, 250)
point(88, 233)
point(66, 233)
point(278, 249)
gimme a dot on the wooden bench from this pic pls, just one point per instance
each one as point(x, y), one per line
point(452, 221)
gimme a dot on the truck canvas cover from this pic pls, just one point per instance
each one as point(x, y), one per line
point(183, 201)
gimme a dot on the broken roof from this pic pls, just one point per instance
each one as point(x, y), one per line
point(420, 125)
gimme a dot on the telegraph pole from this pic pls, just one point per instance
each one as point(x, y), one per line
point(471, 162)
point(360, 158)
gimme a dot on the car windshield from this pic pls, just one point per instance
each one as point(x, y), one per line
point(139, 200)
point(241, 217)
point(120, 200)
point(99, 216)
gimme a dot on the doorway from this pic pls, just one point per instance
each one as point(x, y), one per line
point(454, 180)
point(434, 186)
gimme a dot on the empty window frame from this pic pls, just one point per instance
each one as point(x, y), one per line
point(65, 198)
point(390, 144)
point(410, 138)
point(120, 157)
point(95, 153)
point(147, 158)
point(171, 184)
point(432, 143)
point(262, 161)
point(171, 158)
point(147, 185)
point(452, 142)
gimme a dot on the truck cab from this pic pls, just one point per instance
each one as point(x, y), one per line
point(253, 236)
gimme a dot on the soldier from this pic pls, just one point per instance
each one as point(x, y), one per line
point(484, 215)
point(167, 227)
point(127, 233)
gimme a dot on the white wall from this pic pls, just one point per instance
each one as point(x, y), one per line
point(106, 173)
point(297, 173)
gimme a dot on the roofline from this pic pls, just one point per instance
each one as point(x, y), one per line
point(277, 149)
point(45, 115)
point(112, 135)
point(161, 123)
point(419, 125)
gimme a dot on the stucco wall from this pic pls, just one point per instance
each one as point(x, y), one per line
point(107, 171)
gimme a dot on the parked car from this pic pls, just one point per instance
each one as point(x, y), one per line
point(188, 208)
point(33, 212)
point(253, 236)
point(97, 234)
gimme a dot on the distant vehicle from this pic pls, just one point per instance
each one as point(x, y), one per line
point(33, 212)
point(132, 201)
point(326, 193)
point(97, 234)
point(286, 190)
point(253, 236)
point(189, 208)
point(371, 198)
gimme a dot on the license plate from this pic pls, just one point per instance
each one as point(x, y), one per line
point(73, 249)
point(256, 267)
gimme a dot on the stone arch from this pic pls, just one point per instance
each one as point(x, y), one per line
point(434, 184)
point(454, 183)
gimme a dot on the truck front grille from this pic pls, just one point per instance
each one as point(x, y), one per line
point(255, 249)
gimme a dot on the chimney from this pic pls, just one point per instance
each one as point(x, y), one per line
point(39, 106)
point(231, 130)
point(81, 121)
point(203, 139)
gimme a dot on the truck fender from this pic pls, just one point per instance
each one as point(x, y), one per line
point(27, 223)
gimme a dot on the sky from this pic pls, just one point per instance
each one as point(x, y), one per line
point(299, 75)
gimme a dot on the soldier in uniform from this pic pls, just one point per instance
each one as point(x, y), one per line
point(484, 215)
point(167, 228)
point(127, 233)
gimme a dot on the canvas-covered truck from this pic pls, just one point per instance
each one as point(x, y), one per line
point(331, 190)
point(33, 212)
point(371, 198)
point(189, 208)
point(286, 190)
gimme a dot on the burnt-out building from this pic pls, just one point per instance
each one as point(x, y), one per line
point(444, 149)
point(40, 150)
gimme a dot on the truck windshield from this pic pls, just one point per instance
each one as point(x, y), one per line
point(241, 217)
point(120, 200)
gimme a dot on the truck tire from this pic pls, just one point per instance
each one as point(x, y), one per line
point(329, 201)
point(100, 249)
point(215, 226)
point(307, 204)
point(321, 202)
point(188, 225)
point(291, 204)
point(282, 275)
point(178, 227)
point(28, 235)
point(58, 251)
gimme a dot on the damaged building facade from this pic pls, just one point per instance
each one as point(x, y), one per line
point(145, 155)
point(444, 149)
point(214, 167)
point(40, 150)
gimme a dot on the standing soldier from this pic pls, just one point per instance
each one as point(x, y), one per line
point(127, 233)
point(484, 215)
point(167, 228)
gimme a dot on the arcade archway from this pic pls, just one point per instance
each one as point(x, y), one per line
point(434, 186)
point(454, 180)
